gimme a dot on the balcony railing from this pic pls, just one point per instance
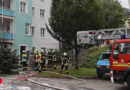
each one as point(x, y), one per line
point(7, 13)
point(6, 37)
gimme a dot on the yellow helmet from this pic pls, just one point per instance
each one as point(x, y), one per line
point(23, 51)
point(36, 50)
point(54, 51)
point(39, 54)
point(65, 54)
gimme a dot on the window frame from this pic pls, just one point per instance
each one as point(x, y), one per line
point(125, 48)
point(33, 11)
point(42, 33)
point(27, 28)
point(42, 14)
point(32, 34)
point(26, 7)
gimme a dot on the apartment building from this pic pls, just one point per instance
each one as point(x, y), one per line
point(15, 18)
point(23, 19)
point(22, 25)
point(40, 15)
point(7, 19)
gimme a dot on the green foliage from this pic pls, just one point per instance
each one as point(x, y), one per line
point(114, 14)
point(90, 59)
point(70, 16)
point(8, 60)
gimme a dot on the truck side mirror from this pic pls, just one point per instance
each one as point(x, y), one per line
point(115, 55)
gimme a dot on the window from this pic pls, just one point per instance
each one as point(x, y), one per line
point(32, 30)
point(42, 32)
point(116, 48)
point(42, 13)
point(23, 7)
point(105, 56)
point(27, 29)
point(124, 48)
point(33, 11)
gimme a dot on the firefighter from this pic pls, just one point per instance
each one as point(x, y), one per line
point(54, 59)
point(43, 58)
point(39, 63)
point(24, 60)
point(65, 60)
point(36, 54)
point(36, 59)
point(50, 57)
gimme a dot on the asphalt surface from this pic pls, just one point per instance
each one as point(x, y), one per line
point(62, 84)
point(104, 84)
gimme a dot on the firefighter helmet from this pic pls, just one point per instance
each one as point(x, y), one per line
point(54, 51)
point(23, 51)
point(65, 54)
point(36, 50)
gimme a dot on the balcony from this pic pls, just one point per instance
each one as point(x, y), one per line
point(6, 37)
point(7, 13)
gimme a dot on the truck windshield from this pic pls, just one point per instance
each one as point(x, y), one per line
point(105, 56)
point(124, 48)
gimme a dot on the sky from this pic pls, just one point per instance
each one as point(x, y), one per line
point(124, 3)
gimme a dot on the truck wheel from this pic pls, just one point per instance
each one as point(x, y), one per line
point(99, 75)
point(128, 82)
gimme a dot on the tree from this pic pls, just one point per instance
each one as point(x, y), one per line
point(8, 60)
point(114, 14)
point(70, 16)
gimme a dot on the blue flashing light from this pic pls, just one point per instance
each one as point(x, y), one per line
point(123, 36)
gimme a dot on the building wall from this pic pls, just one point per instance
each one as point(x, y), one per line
point(129, 3)
point(47, 41)
point(20, 38)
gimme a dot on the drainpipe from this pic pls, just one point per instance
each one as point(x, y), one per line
point(2, 24)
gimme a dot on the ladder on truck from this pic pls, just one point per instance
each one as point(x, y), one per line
point(95, 36)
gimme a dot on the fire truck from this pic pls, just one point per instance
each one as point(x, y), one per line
point(120, 50)
point(120, 62)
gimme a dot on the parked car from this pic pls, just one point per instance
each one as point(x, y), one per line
point(102, 66)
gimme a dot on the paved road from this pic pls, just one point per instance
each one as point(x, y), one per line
point(66, 84)
point(98, 84)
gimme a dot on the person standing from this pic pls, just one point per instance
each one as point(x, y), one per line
point(50, 57)
point(24, 60)
point(65, 60)
point(54, 59)
point(31, 61)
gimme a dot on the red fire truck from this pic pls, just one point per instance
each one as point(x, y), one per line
point(120, 62)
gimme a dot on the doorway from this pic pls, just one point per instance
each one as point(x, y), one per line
point(22, 48)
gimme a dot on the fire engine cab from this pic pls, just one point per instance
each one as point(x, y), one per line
point(120, 62)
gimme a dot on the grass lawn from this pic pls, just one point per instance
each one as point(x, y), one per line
point(80, 73)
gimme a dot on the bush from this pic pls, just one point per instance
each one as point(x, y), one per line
point(90, 59)
point(8, 60)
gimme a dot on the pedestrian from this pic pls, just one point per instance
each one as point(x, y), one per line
point(31, 61)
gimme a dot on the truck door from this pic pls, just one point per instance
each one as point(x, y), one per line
point(124, 55)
